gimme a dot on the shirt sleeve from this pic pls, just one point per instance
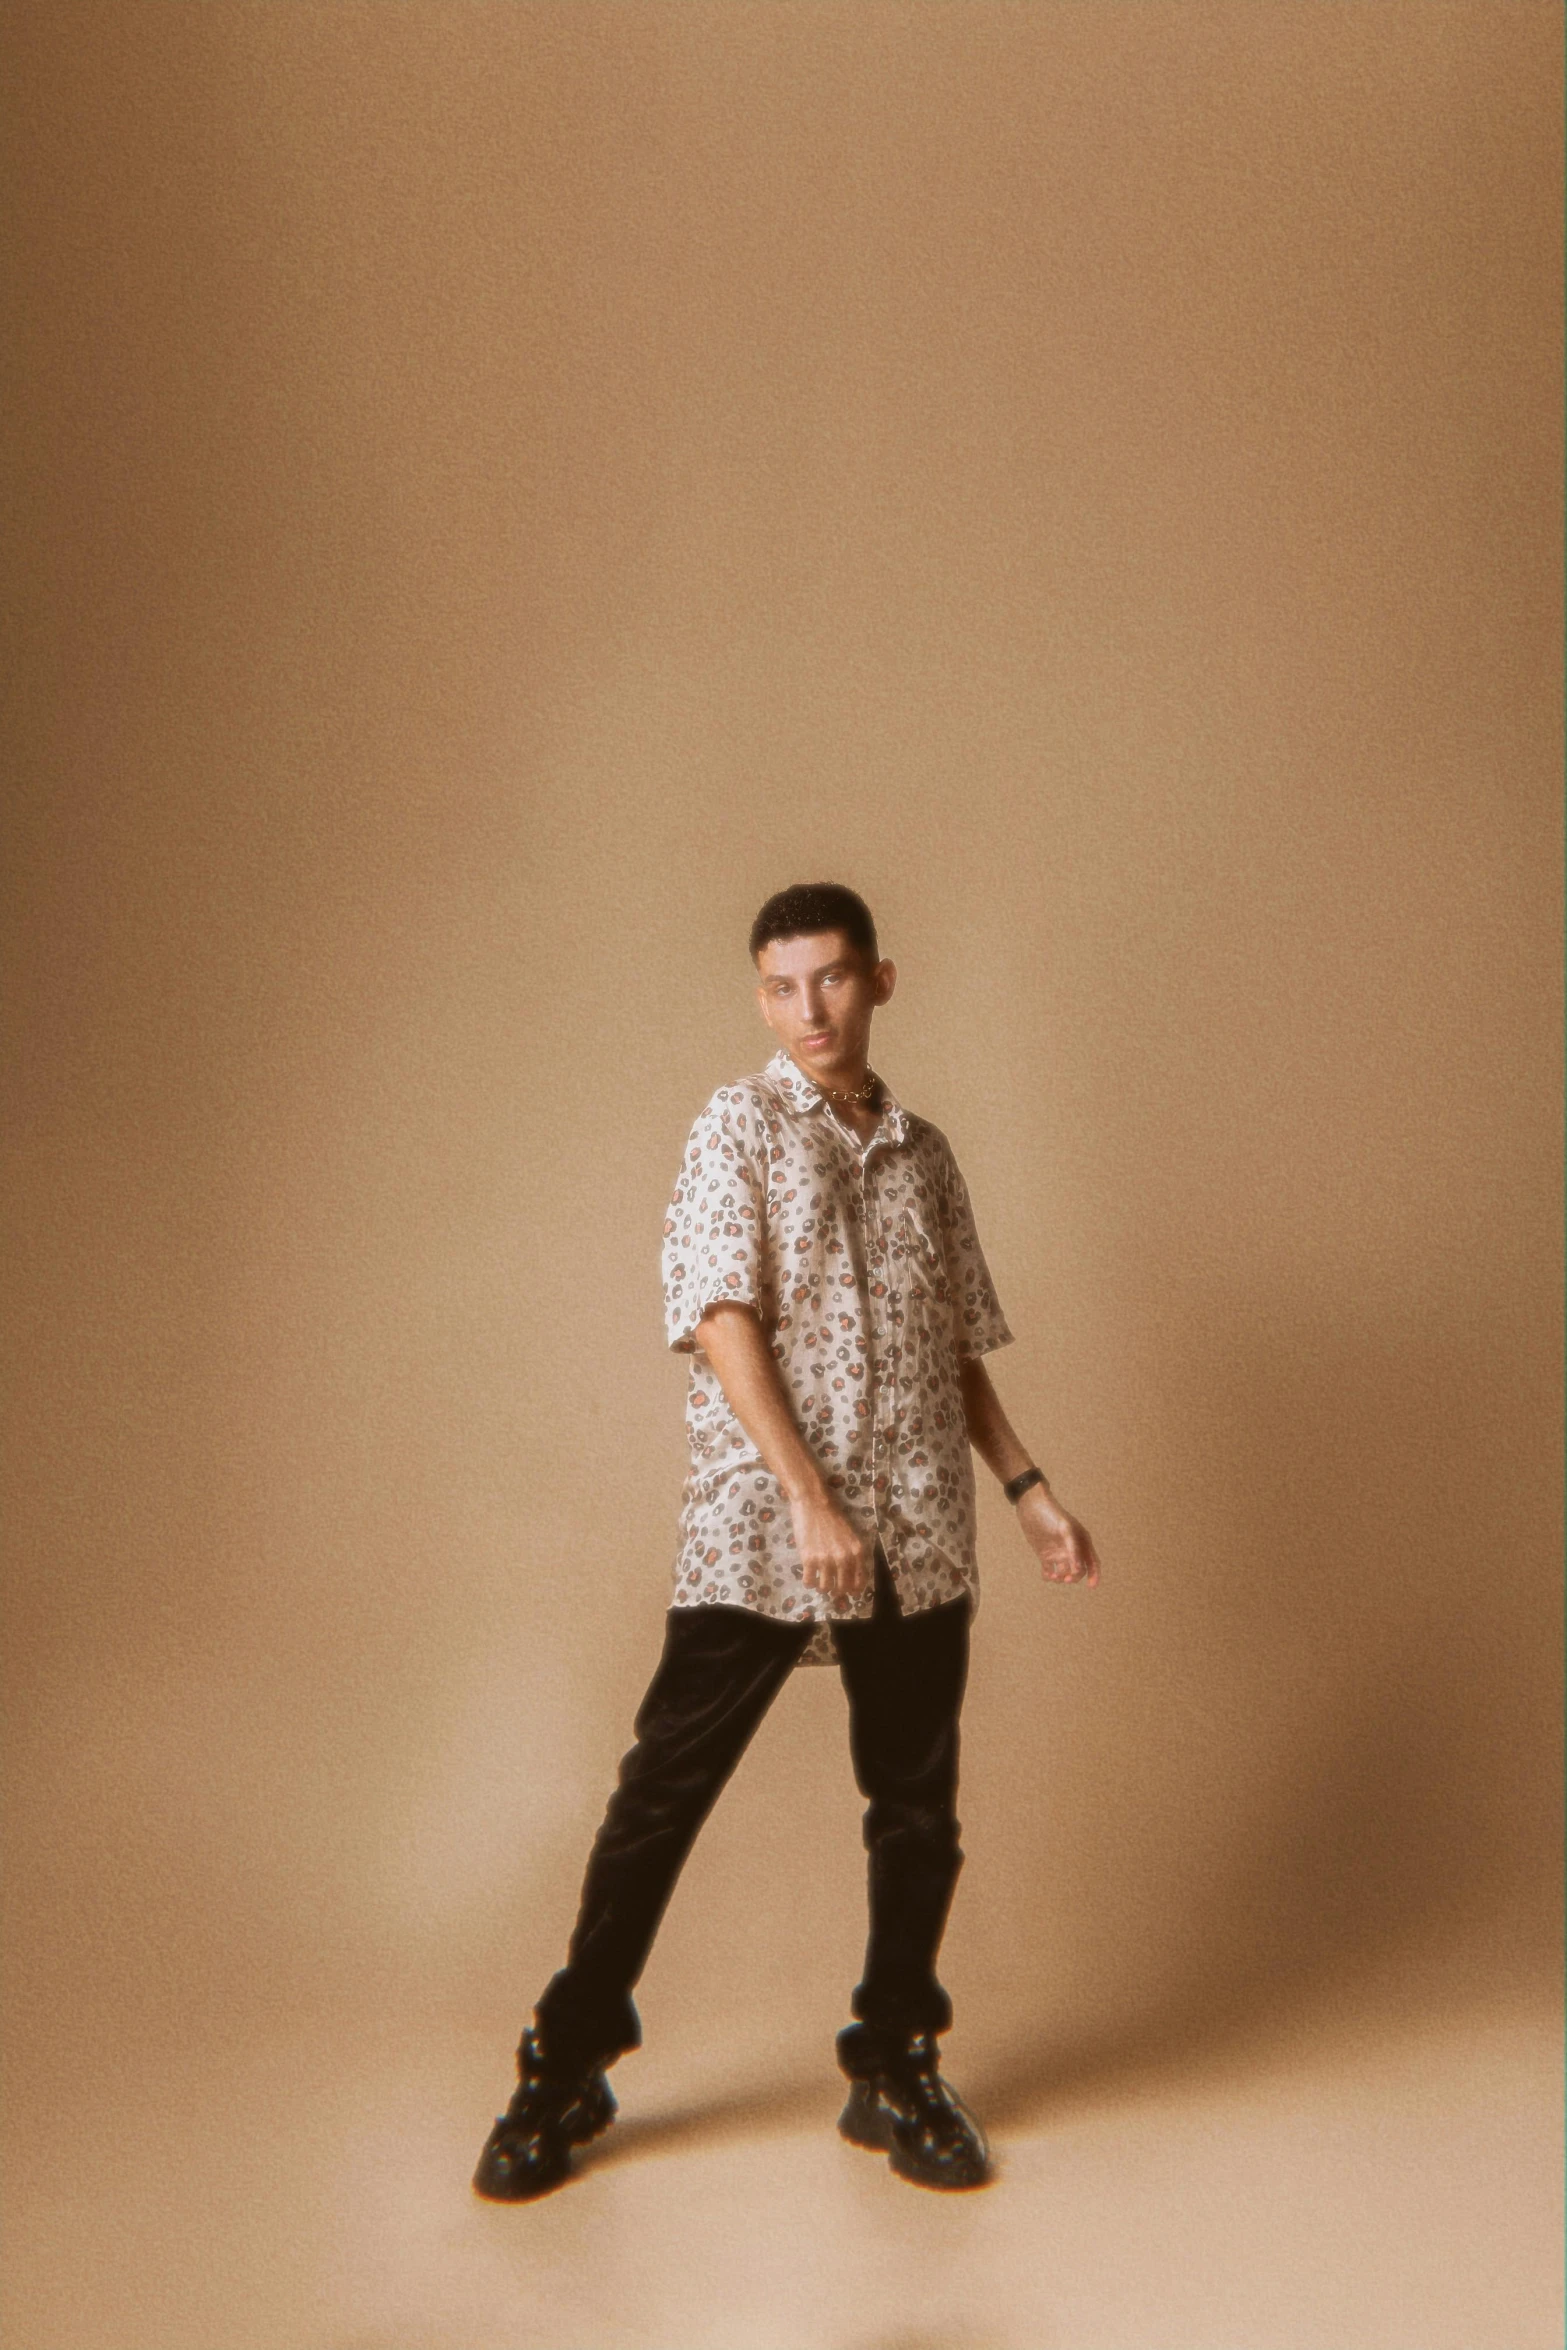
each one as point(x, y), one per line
point(979, 1325)
point(714, 1229)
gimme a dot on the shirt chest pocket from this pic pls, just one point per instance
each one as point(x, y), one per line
point(919, 1261)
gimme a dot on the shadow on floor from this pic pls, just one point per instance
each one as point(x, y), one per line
point(1407, 1696)
point(758, 2110)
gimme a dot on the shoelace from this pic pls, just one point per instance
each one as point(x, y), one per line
point(928, 2091)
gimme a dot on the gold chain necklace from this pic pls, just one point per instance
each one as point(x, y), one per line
point(863, 1095)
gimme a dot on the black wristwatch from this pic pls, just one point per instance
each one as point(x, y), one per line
point(1016, 1487)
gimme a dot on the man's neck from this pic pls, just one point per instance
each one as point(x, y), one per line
point(861, 1118)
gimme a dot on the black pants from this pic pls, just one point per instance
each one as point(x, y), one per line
point(720, 1671)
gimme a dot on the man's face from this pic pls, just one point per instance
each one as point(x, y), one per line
point(817, 994)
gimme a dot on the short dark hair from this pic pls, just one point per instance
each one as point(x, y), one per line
point(807, 906)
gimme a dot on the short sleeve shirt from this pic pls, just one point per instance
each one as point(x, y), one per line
point(864, 1266)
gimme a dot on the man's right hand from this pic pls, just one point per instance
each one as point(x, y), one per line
point(833, 1557)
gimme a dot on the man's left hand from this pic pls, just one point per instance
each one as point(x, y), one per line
point(1064, 1549)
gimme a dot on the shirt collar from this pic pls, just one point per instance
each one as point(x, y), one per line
point(802, 1094)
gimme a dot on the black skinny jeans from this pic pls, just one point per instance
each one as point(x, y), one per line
point(720, 1671)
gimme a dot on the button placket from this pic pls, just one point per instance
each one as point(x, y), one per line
point(881, 1427)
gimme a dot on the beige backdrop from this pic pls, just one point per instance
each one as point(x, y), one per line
point(503, 488)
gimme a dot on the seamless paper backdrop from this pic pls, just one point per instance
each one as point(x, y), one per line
point(500, 489)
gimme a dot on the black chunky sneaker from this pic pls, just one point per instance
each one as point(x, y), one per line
point(900, 2105)
point(557, 2105)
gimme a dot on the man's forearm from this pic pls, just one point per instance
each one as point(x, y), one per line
point(989, 1430)
point(732, 1338)
point(834, 1556)
point(1066, 1549)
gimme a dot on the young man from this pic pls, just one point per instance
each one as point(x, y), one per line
point(822, 1270)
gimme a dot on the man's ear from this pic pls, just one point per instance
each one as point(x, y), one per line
point(886, 979)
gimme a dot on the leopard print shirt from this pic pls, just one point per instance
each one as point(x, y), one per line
point(865, 1268)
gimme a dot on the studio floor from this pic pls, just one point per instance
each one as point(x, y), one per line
point(1358, 2185)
